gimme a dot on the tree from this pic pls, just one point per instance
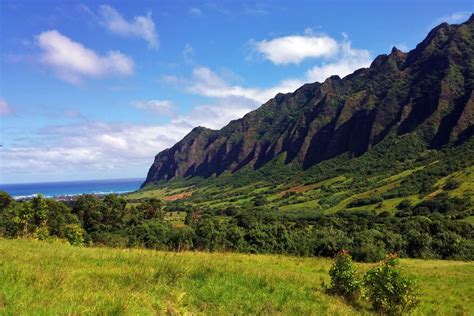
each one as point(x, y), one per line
point(59, 217)
point(5, 200)
point(113, 212)
point(152, 209)
point(89, 209)
point(74, 233)
point(181, 238)
point(151, 234)
point(259, 200)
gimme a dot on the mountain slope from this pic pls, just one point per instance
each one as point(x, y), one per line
point(427, 92)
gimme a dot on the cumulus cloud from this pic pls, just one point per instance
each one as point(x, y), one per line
point(141, 26)
point(5, 108)
point(162, 107)
point(207, 83)
point(456, 17)
point(348, 60)
point(72, 61)
point(296, 48)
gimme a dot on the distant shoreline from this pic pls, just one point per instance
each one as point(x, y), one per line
point(66, 198)
point(70, 190)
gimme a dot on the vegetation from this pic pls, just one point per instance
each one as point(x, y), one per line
point(44, 278)
point(388, 290)
point(254, 212)
point(344, 280)
point(429, 229)
point(308, 174)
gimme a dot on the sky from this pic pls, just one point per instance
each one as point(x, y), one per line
point(94, 90)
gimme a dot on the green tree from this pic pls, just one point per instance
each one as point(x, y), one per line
point(5, 200)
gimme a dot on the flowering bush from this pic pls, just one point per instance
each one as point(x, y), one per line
point(388, 290)
point(344, 281)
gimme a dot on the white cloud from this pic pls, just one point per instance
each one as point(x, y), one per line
point(296, 48)
point(116, 150)
point(5, 108)
point(162, 107)
point(207, 83)
point(195, 11)
point(109, 149)
point(456, 17)
point(218, 113)
point(141, 26)
point(72, 61)
point(349, 59)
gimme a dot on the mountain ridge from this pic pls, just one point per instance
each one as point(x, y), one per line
point(427, 91)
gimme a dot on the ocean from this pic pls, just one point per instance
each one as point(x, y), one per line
point(71, 188)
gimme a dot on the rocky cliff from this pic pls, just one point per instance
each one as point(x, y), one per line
point(428, 91)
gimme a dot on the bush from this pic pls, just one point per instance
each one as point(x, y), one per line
point(388, 290)
point(403, 205)
point(344, 281)
point(74, 234)
point(451, 184)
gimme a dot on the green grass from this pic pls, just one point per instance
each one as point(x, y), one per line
point(156, 193)
point(53, 278)
point(469, 219)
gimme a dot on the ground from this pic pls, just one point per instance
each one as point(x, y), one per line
point(43, 278)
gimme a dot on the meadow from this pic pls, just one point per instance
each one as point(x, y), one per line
point(45, 278)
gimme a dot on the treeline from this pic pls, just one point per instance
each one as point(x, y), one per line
point(427, 230)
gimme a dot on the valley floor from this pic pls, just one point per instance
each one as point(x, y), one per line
point(40, 278)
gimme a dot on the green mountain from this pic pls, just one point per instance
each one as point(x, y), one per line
point(426, 93)
point(381, 161)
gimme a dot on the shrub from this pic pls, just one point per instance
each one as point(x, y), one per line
point(344, 281)
point(404, 204)
point(74, 234)
point(452, 184)
point(388, 290)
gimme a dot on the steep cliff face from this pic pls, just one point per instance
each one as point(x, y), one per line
point(428, 91)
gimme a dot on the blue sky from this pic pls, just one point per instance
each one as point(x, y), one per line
point(93, 90)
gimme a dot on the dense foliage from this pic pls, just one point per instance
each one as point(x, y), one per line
point(433, 232)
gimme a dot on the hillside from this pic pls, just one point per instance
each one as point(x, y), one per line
point(52, 278)
point(425, 93)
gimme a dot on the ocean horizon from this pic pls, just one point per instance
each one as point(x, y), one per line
point(72, 188)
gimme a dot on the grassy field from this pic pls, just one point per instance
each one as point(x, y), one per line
point(53, 278)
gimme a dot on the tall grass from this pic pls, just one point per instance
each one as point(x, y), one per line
point(40, 278)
